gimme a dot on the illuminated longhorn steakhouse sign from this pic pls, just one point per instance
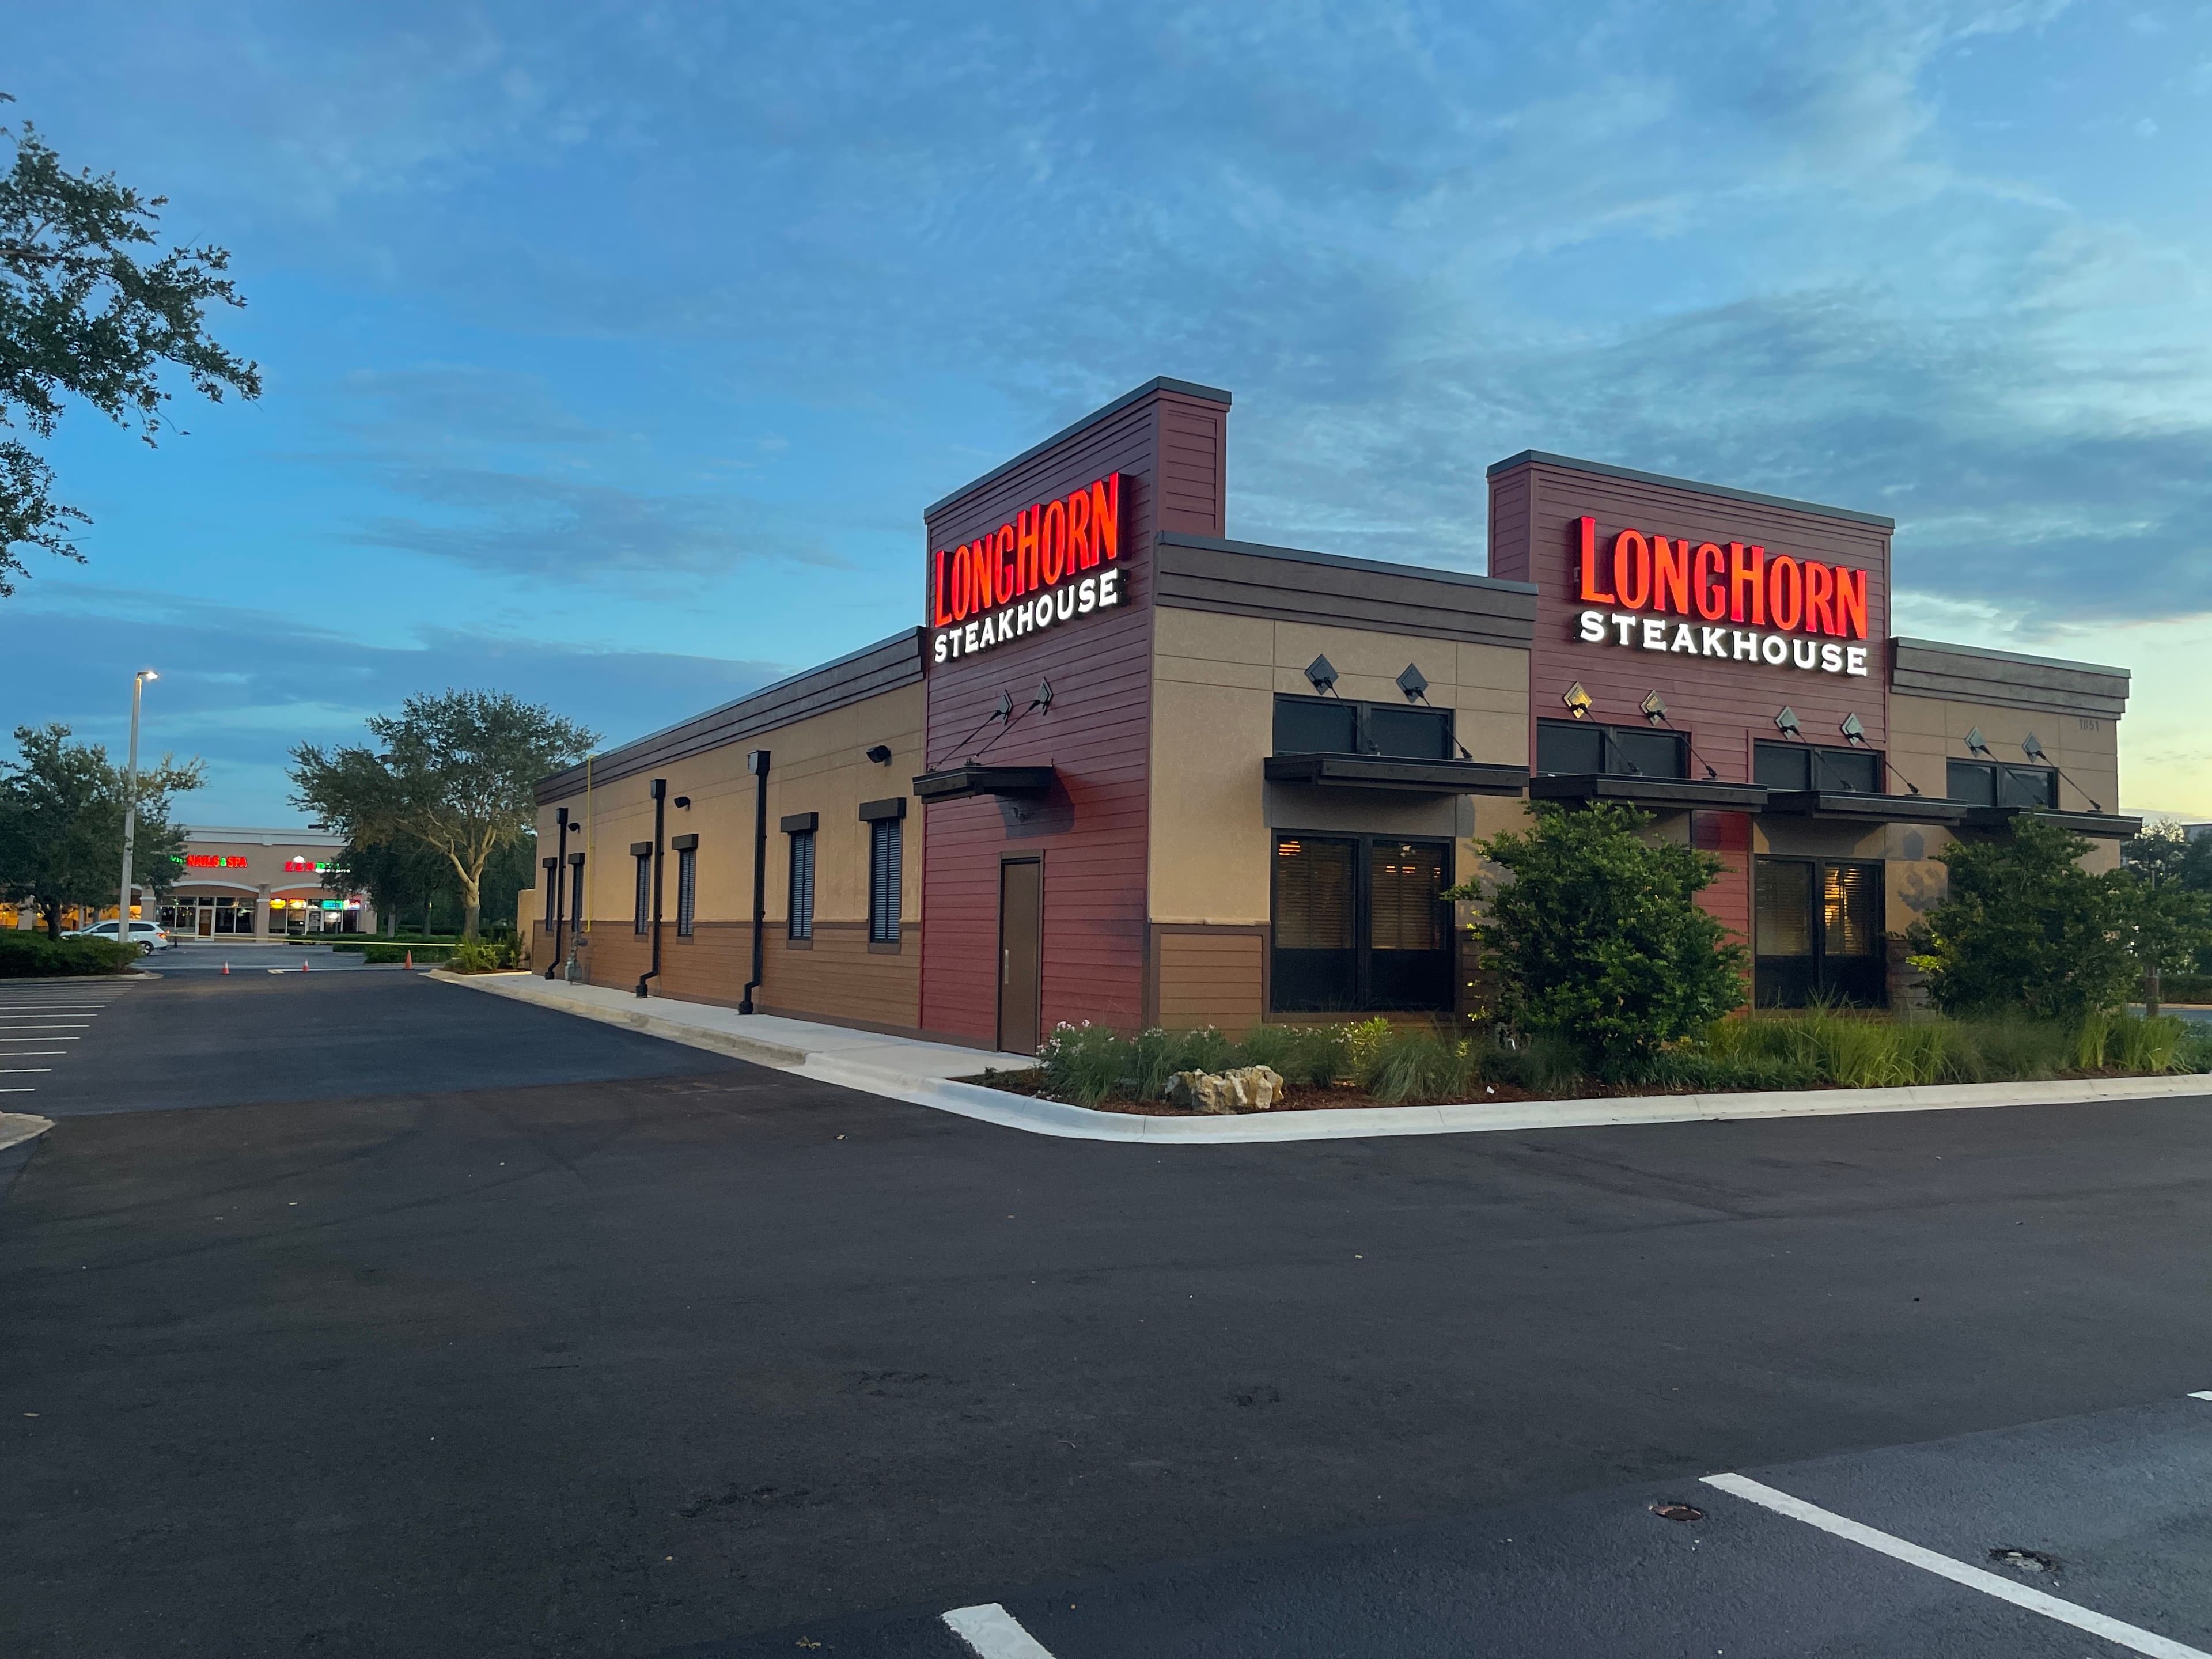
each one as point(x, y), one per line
point(1648, 578)
point(1030, 573)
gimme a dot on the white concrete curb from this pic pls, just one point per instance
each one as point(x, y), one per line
point(16, 1127)
point(1051, 1117)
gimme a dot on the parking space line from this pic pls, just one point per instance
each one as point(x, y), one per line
point(20, 1071)
point(34, 1053)
point(2201, 1393)
point(991, 1632)
point(1897, 1549)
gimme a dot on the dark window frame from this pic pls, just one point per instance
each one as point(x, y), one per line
point(1612, 763)
point(1820, 768)
point(886, 878)
point(576, 891)
point(1363, 714)
point(687, 891)
point(1363, 997)
point(1999, 772)
point(798, 905)
point(1793, 981)
point(642, 924)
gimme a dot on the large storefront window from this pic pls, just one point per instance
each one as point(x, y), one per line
point(1818, 933)
point(1359, 923)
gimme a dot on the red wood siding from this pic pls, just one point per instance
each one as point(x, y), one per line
point(1091, 832)
point(1728, 901)
point(1723, 706)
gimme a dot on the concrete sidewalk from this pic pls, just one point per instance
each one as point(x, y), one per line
point(926, 1073)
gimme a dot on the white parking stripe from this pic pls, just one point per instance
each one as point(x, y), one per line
point(1897, 1549)
point(21, 1071)
point(30, 1053)
point(2201, 1393)
point(993, 1633)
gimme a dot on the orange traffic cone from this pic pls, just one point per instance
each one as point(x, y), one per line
point(407, 966)
point(226, 967)
point(303, 964)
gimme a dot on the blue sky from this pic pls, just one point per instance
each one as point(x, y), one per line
point(611, 352)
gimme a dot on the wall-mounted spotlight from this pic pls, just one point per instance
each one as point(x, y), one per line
point(1578, 702)
point(881, 754)
point(1413, 683)
point(2031, 746)
point(683, 802)
point(1655, 708)
point(1786, 722)
point(1854, 731)
point(1042, 702)
point(1976, 743)
point(1321, 674)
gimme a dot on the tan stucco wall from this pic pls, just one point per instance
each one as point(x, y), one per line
point(816, 765)
point(1926, 734)
point(1214, 683)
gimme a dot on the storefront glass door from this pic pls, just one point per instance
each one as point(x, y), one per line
point(1818, 933)
point(1359, 923)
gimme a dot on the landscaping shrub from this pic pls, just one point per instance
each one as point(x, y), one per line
point(2193, 1053)
point(25, 955)
point(1598, 937)
point(2025, 930)
point(2149, 1046)
point(1421, 1065)
point(1086, 1063)
point(483, 957)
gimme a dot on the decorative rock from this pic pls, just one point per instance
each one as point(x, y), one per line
point(1247, 1089)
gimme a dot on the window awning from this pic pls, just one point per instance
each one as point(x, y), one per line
point(1398, 776)
point(1860, 807)
point(1657, 794)
point(968, 781)
point(2100, 826)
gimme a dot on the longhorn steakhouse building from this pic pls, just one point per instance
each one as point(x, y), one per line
point(1133, 772)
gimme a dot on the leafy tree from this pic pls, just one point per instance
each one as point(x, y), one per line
point(2169, 919)
point(455, 772)
point(80, 314)
point(409, 880)
point(2026, 929)
point(61, 824)
point(1598, 937)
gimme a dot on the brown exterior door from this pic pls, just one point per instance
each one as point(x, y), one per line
point(1021, 952)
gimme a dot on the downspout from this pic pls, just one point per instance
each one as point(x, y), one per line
point(756, 763)
point(659, 821)
point(559, 881)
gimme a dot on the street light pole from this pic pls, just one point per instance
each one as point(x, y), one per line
point(131, 806)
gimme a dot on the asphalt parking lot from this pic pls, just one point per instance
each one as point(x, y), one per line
point(360, 1314)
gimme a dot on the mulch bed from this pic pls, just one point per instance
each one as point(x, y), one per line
point(1304, 1098)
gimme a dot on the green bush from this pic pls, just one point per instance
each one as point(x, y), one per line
point(1421, 1065)
point(1597, 938)
point(1086, 1063)
point(2193, 1053)
point(26, 955)
point(484, 957)
point(2024, 930)
point(378, 950)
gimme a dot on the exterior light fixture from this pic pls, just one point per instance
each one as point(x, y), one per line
point(1321, 674)
point(1976, 743)
point(881, 754)
point(1578, 702)
point(1655, 708)
point(2031, 746)
point(1005, 711)
point(1786, 722)
point(1042, 702)
point(683, 802)
point(1413, 683)
point(1854, 731)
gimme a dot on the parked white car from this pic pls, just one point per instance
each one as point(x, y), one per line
point(151, 936)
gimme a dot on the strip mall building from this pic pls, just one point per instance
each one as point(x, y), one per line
point(1129, 770)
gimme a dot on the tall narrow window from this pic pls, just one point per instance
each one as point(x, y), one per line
point(644, 889)
point(576, 889)
point(551, 868)
point(1316, 964)
point(802, 884)
point(883, 884)
point(687, 890)
point(1409, 952)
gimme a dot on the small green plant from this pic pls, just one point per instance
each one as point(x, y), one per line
point(1411, 1065)
point(483, 956)
point(2148, 1045)
point(2193, 1053)
point(1087, 1063)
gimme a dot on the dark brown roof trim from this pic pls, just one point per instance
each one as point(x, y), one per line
point(1158, 383)
point(1574, 463)
point(870, 671)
